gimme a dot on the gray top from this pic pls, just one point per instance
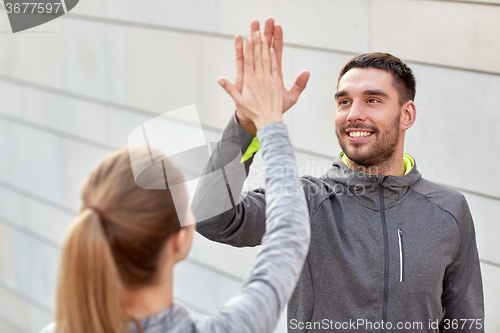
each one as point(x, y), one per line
point(278, 264)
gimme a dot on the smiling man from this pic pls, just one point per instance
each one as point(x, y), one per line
point(390, 251)
point(374, 109)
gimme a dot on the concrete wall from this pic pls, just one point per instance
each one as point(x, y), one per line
point(73, 89)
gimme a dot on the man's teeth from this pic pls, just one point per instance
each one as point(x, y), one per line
point(359, 134)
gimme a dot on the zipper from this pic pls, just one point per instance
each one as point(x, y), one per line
point(401, 256)
point(386, 252)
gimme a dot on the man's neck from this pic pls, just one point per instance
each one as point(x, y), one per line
point(393, 167)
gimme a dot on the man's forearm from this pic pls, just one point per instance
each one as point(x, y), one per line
point(235, 134)
point(240, 221)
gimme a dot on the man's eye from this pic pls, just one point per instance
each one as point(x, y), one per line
point(372, 100)
point(344, 102)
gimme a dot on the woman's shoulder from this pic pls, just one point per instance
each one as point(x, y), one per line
point(173, 319)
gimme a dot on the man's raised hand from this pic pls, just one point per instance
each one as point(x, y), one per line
point(274, 37)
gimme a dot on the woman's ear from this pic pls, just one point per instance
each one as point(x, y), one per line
point(177, 240)
point(180, 242)
point(408, 115)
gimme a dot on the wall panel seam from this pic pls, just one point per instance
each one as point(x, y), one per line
point(90, 18)
point(491, 263)
point(26, 298)
point(481, 3)
point(56, 132)
point(7, 322)
point(94, 100)
point(190, 305)
point(36, 197)
point(34, 235)
point(28, 232)
point(484, 195)
point(49, 242)
point(214, 270)
point(80, 139)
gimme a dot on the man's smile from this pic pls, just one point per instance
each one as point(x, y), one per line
point(358, 135)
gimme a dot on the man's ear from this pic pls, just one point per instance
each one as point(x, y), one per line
point(408, 115)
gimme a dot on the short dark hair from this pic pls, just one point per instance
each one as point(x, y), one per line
point(403, 75)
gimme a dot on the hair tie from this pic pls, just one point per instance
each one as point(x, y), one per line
point(98, 211)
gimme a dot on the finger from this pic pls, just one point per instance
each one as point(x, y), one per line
point(248, 61)
point(278, 43)
point(299, 85)
point(266, 60)
point(269, 31)
point(254, 26)
point(274, 64)
point(238, 48)
point(230, 89)
point(257, 52)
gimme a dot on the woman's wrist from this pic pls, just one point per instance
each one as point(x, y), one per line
point(271, 131)
point(268, 120)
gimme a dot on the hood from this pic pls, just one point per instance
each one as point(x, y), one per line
point(365, 186)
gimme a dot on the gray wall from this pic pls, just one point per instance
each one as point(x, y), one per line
point(73, 89)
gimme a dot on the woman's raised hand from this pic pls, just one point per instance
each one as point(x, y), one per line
point(261, 98)
point(274, 36)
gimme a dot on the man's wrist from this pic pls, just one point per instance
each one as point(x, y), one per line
point(247, 125)
point(238, 120)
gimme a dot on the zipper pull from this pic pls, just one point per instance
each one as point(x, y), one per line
point(401, 256)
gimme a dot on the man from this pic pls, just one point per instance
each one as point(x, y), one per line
point(390, 251)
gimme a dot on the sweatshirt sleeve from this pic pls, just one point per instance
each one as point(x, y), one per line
point(462, 297)
point(243, 223)
point(278, 264)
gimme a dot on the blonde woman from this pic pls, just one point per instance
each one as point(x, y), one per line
point(118, 260)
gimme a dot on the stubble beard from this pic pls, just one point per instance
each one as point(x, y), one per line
point(379, 152)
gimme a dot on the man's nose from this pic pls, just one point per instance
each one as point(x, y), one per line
point(356, 113)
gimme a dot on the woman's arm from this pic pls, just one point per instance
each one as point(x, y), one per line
point(279, 262)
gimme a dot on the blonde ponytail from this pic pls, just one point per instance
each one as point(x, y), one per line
point(89, 295)
point(115, 243)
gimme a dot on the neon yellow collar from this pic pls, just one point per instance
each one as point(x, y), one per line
point(255, 146)
point(407, 159)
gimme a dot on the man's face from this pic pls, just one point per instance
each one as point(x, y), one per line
point(367, 122)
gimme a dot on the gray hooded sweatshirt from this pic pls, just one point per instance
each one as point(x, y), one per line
point(387, 253)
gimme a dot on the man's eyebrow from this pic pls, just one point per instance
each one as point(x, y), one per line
point(340, 94)
point(375, 92)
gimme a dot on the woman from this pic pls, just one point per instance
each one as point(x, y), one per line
point(117, 262)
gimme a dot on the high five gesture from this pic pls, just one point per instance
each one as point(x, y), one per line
point(274, 39)
point(261, 99)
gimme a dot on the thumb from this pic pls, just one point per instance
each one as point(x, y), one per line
point(300, 83)
point(230, 89)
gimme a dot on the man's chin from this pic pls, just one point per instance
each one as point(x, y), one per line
point(360, 158)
